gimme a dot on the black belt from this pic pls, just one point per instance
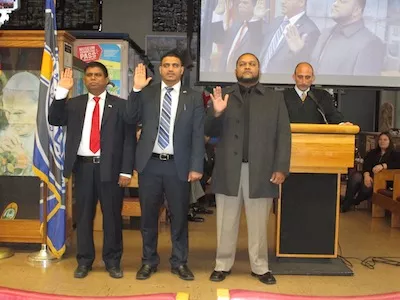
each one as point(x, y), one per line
point(89, 159)
point(162, 156)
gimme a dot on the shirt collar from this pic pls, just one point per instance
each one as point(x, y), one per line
point(350, 29)
point(102, 96)
point(176, 87)
point(295, 18)
point(300, 92)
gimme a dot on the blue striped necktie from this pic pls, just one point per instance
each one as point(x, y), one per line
point(165, 119)
point(274, 44)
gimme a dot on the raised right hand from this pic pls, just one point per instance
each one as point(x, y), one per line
point(66, 80)
point(219, 104)
point(139, 78)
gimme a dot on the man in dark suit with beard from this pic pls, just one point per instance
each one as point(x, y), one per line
point(289, 39)
point(100, 151)
point(252, 159)
point(348, 48)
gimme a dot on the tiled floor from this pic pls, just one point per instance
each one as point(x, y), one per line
point(360, 236)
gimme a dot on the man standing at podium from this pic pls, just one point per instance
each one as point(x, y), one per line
point(309, 105)
point(252, 159)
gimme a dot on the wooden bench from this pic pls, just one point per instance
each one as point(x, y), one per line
point(130, 207)
point(387, 200)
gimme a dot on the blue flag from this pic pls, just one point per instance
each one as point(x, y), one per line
point(48, 152)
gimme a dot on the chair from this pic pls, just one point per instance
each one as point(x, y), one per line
point(384, 199)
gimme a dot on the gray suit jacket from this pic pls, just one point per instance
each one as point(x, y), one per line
point(144, 107)
point(284, 60)
point(269, 141)
point(354, 51)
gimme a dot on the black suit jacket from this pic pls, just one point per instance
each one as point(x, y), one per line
point(144, 107)
point(307, 112)
point(250, 42)
point(284, 60)
point(117, 138)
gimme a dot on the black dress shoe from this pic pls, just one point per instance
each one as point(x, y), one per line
point(202, 210)
point(218, 276)
point(145, 272)
point(82, 271)
point(192, 218)
point(115, 272)
point(266, 278)
point(183, 272)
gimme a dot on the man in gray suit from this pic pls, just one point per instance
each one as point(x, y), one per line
point(289, 39)
point(252, 159)
point(348, 48)
point(169, 156)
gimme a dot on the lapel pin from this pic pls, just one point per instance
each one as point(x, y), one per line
point(109, 105)
point(184, 92)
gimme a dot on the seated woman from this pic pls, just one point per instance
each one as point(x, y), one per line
point(359, 185)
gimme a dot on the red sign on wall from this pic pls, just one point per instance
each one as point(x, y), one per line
point(89, 53)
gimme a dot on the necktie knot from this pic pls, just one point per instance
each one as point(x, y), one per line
point(96, 99)
point(303, 96)
point(169, 89)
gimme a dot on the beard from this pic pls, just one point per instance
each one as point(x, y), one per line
point(248, 80)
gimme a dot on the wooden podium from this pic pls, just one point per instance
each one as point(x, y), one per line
point(308, 209)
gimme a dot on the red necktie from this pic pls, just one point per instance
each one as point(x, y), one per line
point(95, 131)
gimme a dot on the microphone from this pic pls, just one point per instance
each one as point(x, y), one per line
point(319, 107)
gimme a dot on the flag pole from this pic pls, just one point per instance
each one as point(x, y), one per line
point(44, 257)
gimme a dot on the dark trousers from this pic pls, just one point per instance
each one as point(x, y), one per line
point(88, 190)
point(356, 186)
point(160, 178)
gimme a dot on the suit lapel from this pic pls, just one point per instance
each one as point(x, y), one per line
point(82, 103)
point(108, 107)
point(182, 102)
point(157, 101)
point(235, 91)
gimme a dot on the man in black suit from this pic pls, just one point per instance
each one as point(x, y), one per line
point(169, 156)
point(289, 39)
point(348, 48)
point(309, 105)
point(100, 151)
point(240, 35)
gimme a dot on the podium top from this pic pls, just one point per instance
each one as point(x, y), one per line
point(324, 128)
